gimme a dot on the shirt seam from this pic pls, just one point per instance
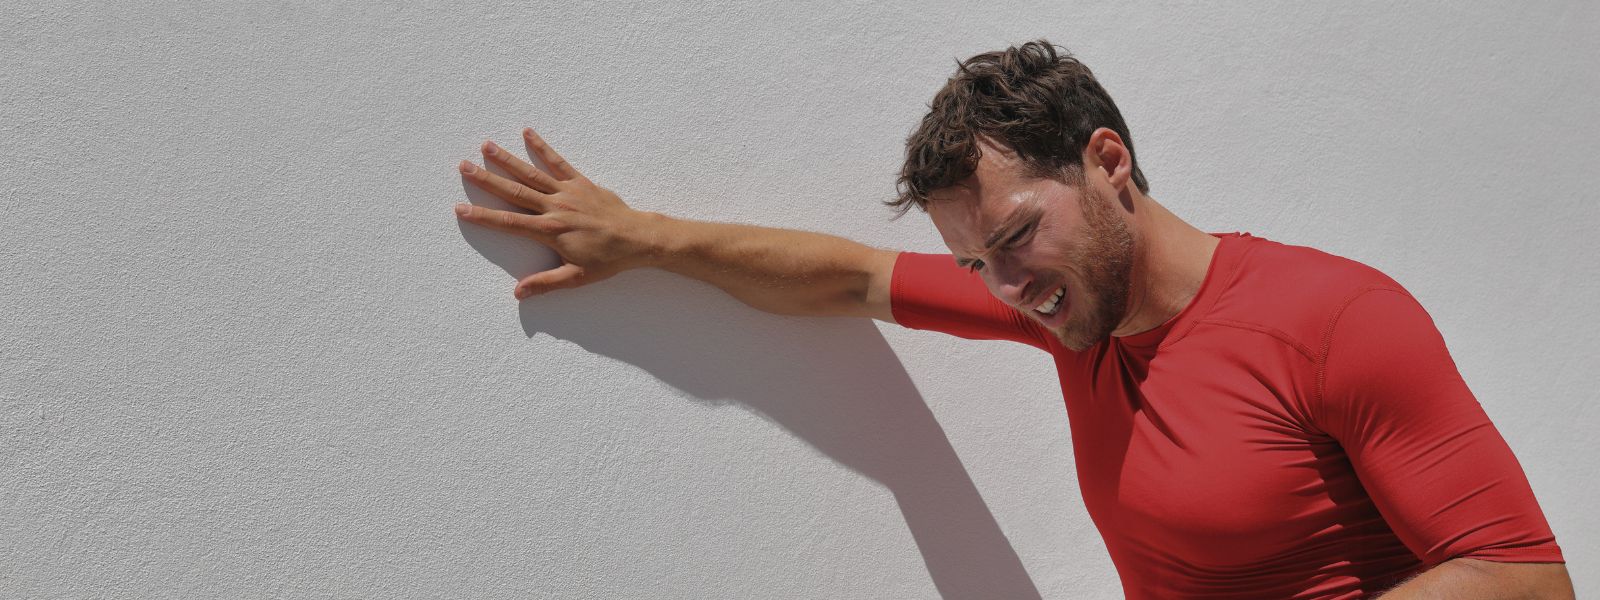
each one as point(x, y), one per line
point(1545, 550)
point(1269, 331)
point(1319, 394)
point(1226, 284)
point(896, 284)
point(1300, 407)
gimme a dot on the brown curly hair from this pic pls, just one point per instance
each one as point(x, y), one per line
point(1040, 103)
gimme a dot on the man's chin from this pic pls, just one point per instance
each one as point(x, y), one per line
point(1069, 337)
point(1078, 336)
point(1074, 344)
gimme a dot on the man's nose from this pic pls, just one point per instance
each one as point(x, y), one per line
point(1012, 284)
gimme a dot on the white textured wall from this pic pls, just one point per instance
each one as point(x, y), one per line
point(248, 351)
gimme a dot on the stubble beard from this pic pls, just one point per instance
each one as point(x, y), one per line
point(1106, 262)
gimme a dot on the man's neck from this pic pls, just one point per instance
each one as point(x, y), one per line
point(1171, 258)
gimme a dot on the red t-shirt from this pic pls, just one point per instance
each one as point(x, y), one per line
point(1299, 430)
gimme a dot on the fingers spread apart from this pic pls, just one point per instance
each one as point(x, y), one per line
point(505, 189)
point(527, 174)
point(559, 167)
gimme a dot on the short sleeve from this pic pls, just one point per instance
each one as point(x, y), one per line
point(930, 292)
point(1435, 466)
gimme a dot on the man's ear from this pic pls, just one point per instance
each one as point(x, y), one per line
point(1106, 152)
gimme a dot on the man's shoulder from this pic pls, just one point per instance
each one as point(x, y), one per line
point(1277, 267)
point(1294, 290)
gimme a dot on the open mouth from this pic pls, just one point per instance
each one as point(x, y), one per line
point(1052, 304)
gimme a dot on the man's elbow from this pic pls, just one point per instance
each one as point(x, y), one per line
point(1527, 580)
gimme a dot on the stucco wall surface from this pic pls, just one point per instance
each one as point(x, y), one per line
point(248, 351)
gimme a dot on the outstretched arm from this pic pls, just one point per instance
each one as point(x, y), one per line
point(597, 235)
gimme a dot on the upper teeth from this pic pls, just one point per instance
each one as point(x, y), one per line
point(1049, 306)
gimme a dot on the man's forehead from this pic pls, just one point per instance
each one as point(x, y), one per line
point(976, 208)
point(968, 225)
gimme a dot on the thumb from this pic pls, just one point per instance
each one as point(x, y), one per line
point(567, 275)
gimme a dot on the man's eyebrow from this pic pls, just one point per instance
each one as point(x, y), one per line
point(1014, 221)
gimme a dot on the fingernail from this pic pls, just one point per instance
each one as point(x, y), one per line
point(489, 149)
point(468, 168)
point(461, 209)
point(518, 293)
point(527, 132)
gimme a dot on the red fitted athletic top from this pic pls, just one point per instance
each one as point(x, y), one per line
point(1299, 430)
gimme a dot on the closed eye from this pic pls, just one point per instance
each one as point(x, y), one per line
point(1016, 240)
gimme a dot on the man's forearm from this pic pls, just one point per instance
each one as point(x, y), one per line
point(782, 271)
point(598, 235)
point(1468, 579)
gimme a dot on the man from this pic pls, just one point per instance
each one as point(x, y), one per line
point(1250, 419)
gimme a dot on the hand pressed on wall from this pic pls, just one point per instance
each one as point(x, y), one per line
point(596, 234)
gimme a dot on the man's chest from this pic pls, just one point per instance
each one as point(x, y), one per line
point(1206, 454)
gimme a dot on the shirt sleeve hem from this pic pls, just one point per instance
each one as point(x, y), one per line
point(897, 308)
point(1526, 554)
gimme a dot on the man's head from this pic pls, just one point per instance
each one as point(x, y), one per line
point(1027, 169)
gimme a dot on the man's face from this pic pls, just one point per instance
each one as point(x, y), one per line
point(1048, 238)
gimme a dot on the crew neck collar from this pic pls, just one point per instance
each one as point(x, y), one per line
point(1224, 260)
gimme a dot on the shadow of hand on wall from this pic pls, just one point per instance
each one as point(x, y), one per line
point(835, 383)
